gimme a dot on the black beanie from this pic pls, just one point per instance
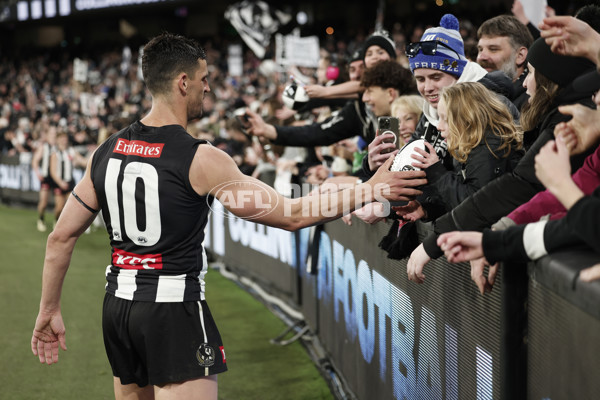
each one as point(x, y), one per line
point(561, 70)
point(381, 39)
point(356, 55)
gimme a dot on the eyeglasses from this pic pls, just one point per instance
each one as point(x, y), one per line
point(428, 48)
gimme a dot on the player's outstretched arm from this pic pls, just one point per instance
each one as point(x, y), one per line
point(49, 330)
point(213, 172)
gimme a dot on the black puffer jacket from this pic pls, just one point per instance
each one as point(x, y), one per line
point(502, 195)
point(484, 164)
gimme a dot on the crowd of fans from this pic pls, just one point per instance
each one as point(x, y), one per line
point(485, 101)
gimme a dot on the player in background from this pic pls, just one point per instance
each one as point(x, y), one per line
point(41, 167)
point(62, 162)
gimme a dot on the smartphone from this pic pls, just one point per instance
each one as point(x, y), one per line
point(387, 125)
point(241, 115)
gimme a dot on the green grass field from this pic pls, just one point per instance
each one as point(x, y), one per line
point(257, 369)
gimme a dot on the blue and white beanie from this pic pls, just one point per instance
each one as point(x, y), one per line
point(445, 59)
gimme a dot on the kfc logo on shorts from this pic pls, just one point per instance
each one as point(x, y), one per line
point(138, 148)
point(205, 355)
point(126, 260)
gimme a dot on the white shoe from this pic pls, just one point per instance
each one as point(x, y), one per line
point(41, 226)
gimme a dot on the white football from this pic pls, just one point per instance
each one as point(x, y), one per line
point(403, 160)
point(294, 96)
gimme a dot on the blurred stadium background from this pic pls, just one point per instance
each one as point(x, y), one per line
point(89, 25)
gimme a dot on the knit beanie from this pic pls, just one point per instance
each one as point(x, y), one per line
point(444, 59)
point(561, 70)
point(381, 39)
point(356, 55)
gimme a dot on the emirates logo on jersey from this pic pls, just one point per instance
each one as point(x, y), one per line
point(126, 260)
point(138, 148)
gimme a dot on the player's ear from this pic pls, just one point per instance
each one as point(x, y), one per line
point(182, 83)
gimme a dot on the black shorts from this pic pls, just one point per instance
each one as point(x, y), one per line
point(48, 183)
point(58, 190)
point(159, 343)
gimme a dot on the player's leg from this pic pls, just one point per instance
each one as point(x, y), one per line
point(204, 388)
point(59, 203)
point(133, 391)
point(41, 208)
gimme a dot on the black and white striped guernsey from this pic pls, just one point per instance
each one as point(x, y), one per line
point(64, 162)
point(154, 217)
point(47, 150)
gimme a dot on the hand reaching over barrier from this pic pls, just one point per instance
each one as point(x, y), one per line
point(467, 246)
point(417, 261)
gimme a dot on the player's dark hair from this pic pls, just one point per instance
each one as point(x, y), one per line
point(167, 55)
point(389, 74)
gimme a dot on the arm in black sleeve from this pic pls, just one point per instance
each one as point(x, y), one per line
point(532, 241)
point(342, 125)
point(454, 187)
point(493, 201)
point(505, 245)
point(365, 170)
point(321, 102)
point(584, 220)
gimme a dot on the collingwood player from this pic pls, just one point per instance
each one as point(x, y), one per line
point(62, 162)
point(154, 184)
point(41, 167)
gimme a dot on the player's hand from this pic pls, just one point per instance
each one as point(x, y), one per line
point(48, 334)
point(425, 159)
point(417, 261)
point(380, 151)
point(396, 185)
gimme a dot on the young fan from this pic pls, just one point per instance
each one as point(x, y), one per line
point(483, 140)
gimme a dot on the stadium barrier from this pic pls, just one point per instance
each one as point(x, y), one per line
point(564, 328)
point(387, 337)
